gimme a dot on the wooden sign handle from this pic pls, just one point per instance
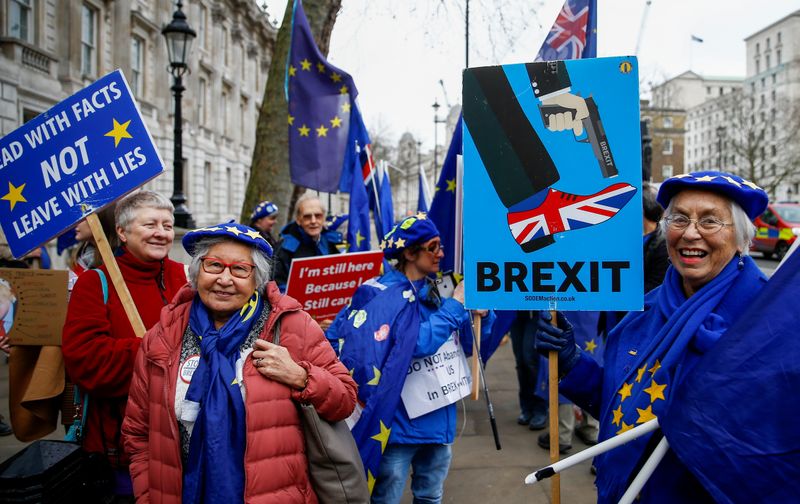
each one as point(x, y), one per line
point(116, 275)
point(552, 360)
point(476, 362)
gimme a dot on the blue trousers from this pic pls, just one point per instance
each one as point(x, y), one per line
point(523, 332)
point(430, 463)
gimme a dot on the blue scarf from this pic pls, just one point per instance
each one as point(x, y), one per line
point(667, 340)
point(214, 470)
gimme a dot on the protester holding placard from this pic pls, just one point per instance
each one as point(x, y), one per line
point(305, 237)
point(213, 415)
point(99, 343)
point(395, 324)
point(711, 281)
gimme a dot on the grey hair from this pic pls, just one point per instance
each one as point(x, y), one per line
point(743, 229)
point(260, 259)
point(126, 209)
point(303, 199)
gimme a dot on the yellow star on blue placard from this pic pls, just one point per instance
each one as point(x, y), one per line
point(14, 195)
point(119, 132)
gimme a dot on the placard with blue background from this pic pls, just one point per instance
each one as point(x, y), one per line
point(74, 159)
point(552, 186)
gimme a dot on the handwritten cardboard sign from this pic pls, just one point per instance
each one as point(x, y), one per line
point(325, 284)
point(33, 305)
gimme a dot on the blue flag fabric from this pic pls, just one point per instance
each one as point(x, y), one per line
point(443, 207)
point(424, 201)
point(332, 222)
point(379, 337)
point(66, 240)
point(733, 419)
point(320, 98)
point(358, 159)
point(574, 33)
point(386, 206)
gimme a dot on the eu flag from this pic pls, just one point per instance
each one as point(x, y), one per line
point(443, 208)
point(358, 160)
point(733, 419)
point(320, 98)
point(386, 206)
point(574, 34)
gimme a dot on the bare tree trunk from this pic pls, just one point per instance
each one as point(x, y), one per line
point(269, 172)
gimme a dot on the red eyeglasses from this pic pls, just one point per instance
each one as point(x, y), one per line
point(215, 266)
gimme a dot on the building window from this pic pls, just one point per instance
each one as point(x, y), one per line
point(223, 112)
point(758, 47)
point(20, 20)
point(708, 90)
point(667, 122)
point(137, 66)
point(243, 121)
point(768, 45)
point(203, 35)
point(758, 66)
point(208, 173)
point(225, 48)
point(774, 78)
point(667, 146)
point(773, 151)
point(88, 41)
point(778, 37)
point(229, 186)
point(778, 57)
point(767, 67)
point(201, 101)
point(666, 171)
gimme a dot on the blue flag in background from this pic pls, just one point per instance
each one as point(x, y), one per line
point(574, 34)
point(359, 160)
point(320, 98)
point(443, 208)
point(386, 206)
point(733, 419)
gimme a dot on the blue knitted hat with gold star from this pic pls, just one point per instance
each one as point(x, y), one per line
point(263, 209)
point(232, 231)
point(409, 231)
point(749, 196)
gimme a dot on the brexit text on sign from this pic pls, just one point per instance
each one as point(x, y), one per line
point(72, 160)
point(325, 284)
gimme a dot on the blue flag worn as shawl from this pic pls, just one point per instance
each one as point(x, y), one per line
point(733, 419)
point(646, 355)
point(214, 470)
point(379, 339)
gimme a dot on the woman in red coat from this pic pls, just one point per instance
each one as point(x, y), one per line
point(212, 414)
point(98, 342)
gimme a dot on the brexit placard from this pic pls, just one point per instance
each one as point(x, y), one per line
point(552, 186)
point(72, 160)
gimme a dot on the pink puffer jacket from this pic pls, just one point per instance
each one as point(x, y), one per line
point(275, 462)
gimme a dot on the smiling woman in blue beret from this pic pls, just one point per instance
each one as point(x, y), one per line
point(712, 279)
point(211, 413)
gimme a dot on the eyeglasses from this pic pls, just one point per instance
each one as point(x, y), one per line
point(433, 248)
point(704, 225)
point(309, 216)
point(216, 266)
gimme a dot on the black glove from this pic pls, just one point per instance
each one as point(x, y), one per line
point(559, 339)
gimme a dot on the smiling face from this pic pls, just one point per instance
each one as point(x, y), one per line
point(222, 293)
point(699, 257)
point(265, 224)
point(311, 217)
point(149, 236)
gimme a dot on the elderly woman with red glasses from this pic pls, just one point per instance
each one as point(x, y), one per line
point(211, 413)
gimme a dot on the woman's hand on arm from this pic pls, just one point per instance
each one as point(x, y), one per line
point(274, 362)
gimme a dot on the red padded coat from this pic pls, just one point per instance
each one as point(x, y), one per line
point(99, 344)
point(275, 463)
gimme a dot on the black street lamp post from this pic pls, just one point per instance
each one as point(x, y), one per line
point(179, 37)
point(436, 122)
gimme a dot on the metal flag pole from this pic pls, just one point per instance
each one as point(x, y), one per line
point(647, 470)
point(591, 452)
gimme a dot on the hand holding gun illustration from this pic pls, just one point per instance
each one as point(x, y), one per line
point(566, 110)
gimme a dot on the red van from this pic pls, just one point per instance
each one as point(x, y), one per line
point(776, 229)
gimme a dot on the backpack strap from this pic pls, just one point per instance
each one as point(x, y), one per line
point(103, 283)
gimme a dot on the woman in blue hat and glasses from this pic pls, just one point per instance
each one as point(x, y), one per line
point(211, 413)
point(712, 279)
point(263, 218)
point(395, 323)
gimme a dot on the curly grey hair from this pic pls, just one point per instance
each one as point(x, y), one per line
point(127, 207)
point(260, 259)
point(744, 230)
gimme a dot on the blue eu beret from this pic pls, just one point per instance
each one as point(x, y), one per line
point(409, 231)
point(232, 231)
point(749, 196)
point(263, 209)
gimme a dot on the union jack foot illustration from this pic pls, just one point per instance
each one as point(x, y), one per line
point(534, 229)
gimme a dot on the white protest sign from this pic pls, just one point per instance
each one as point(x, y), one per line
point(437, 380)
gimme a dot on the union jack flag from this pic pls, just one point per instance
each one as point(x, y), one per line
point(561, 211)
point(574, 34)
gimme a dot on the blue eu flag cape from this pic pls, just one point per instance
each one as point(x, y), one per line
point(574, 33)
point(359, 162)
point(443, 207)
point(379, 337)
point(733, 419)
point(320, 98)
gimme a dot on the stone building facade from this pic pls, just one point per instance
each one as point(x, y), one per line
point(49, 49)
